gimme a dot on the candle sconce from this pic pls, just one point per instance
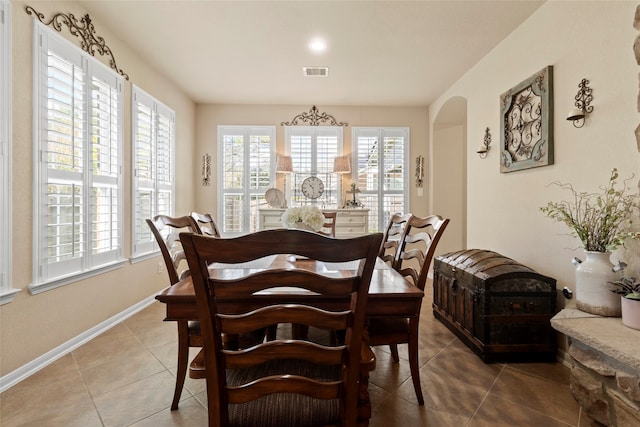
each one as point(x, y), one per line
point(582, 105)
point(206, 170)
point(486, 144)
point(419, 171)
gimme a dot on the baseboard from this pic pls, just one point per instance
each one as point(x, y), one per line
point(564, 358)
point(35, 365)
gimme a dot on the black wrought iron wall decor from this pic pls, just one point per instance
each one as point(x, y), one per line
point(486, 144)
point(313, 118)
point(206, 170)
point(582, 105)
point(90, 43)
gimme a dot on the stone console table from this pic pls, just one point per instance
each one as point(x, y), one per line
point(605, 371)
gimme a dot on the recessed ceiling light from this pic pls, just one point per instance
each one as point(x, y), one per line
point(318, 45)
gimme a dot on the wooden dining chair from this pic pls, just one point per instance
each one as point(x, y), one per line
point(167, 230)
point(412, 260)
point(329, 226)
point(391, 239)
point(206, 224)
point(285, 382)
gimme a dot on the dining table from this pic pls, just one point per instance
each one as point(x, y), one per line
point(390, 295)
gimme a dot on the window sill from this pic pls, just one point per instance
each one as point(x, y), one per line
point(37, 288)
point(7, 296)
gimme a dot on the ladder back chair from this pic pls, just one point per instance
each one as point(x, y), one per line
point(392, 235)
point(329, 226)
point(167, 230)
point(206, 224)
point(413, 259)
point(285, 382)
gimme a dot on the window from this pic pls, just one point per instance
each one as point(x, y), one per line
point(78, 110)
point(313, 150)
point(381, 159)
point(247, 159)
point(6, 293)
point(153, 167)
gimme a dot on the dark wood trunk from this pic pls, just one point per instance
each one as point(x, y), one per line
point(499, 308)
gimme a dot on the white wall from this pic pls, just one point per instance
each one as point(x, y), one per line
point(584, 39)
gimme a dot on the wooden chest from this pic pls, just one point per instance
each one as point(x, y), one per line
point(499, 308)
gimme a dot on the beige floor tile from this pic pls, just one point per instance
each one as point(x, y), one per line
point(395, 411)
point(497, 412)
point(191, 413)
point(135, 401)
point(537, 393)
point(118, 371)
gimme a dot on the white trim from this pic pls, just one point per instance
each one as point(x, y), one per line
point(49, 357)
point(7, 293)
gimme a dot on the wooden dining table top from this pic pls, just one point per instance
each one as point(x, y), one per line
point(390, 294)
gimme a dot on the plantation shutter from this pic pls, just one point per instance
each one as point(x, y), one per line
point(380, 159)
point(153, 166)
point(247, 154)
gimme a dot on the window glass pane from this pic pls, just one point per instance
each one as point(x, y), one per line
point(65, 115)
point(233, 156)
point(65, 225)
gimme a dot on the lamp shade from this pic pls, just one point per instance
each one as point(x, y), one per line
point(341, 165)
point(284, 164)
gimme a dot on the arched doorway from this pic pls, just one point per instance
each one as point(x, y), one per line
point(449, 172)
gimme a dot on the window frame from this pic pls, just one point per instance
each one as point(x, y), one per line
point(377, 215)
point(143, 243)
point(100, 175)
point(249, 210)
point(6, 292)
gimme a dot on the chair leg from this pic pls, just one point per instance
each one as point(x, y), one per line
point(413, 359)
point(394, 352)
point(183, 359)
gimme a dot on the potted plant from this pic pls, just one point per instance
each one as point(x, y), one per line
point(602, 222)
point(629, 290)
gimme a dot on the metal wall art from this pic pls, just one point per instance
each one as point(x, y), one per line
point(526, 119)
point(313, 118)
point(91, 43)
point(206, 170)
point(419, 171)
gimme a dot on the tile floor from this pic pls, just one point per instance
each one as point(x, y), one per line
point(126, 376)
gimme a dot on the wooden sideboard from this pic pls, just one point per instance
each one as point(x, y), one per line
point(349, 222)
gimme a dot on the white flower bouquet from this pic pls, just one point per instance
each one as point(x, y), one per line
point(309, 216)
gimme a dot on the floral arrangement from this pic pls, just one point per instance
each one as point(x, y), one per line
point(602, 221)
point(309, 215)
point(628, 287)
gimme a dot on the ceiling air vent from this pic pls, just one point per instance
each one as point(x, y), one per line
point(315, 71)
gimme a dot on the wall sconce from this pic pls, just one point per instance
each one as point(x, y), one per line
point(419, 171)
point(582, 108)
point(486, 144)
point(206, 170)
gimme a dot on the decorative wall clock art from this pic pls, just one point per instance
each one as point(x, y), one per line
point(526, 119)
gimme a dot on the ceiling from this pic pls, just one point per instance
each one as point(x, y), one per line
point(380, 53)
